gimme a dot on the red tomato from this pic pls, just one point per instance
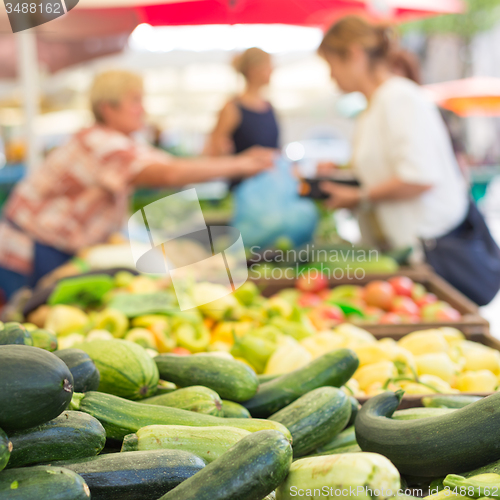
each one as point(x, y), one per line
point(391, 319)
point(418, 292)
point(448, 314)
point(404, 305)
point(402, 285)
point(379, 294)
point(313, 284)
point(331, 311)
point(440, 311)
point(181, 351)
point(307, 300)
point(326, 316)
point(428, 298)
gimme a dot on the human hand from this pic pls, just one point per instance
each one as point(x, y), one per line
point(256, 159)
point(341, 196)
point(325, 168)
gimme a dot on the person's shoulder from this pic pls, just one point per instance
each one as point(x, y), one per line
point(399, 90)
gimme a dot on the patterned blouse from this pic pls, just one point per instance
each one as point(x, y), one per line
point(78, 197)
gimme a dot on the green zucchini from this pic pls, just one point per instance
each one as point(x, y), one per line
point(334, 369)
point(196, 398)
point(449, 400)
point(165, 388)
point(121, 417)
point(15, 333)
point(85, 374)
point(315, 418)
point(5, 449)
point(40, 482)
point(230, 379)
point(250, 470)
point(266, 378)
point(137, 475)
point(346, 438)
point(354, 410)
point(126, 369)
point(208, 443)
point(417, 413)
point(36, 386)
point(349, 448)
point(431, 447)
point(72, 435)
point(44, 339)
point(491, 468)
point(234, 410)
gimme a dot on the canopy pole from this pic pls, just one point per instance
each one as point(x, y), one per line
point(29, 81)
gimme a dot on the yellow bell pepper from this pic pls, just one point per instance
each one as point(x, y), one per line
point(287, 358)
point(424, 342)
point(452, 335)
point(278, 306)
point(322, 342)
point(438, 364)
point(223, 331)
point(377, 372)
point(372, 353)
point(439, 384)
point(415, 388)
point(351, 387)
point(64, 320)
point(219, 346)
point(479, 357)
point(354, 335)
point(159, 326)
point(374, 389)
point(478, 381)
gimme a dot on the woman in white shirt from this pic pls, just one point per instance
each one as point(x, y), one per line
point(403, 156)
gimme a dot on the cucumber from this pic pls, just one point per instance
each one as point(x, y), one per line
point(334, 369)
point(228, 378)
point(354, 410)
point(431, 447)
point(416, 413)
point(85, 374)
point(250, 470)
point(138, 475)
point(315, 418)
point(346, 438)
point(126, 369)
point(449, 401)
point(42, 482)
point(121, 417)
point(266, 378)
point(165, 388)
point(5, 449)
point(36, 386)
point(196, 398)
point(208, 443)
point(349, 448)
point(231, 409)
point(15, 333)
point(71, 435)
point(44, 339)
point(491, 468)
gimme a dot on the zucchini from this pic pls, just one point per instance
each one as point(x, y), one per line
point(5, 449)
point(85, 374)
point(44, 339)
point(266, 378)
point(165, 388)
point(431, 447)
point(138, 475)
point(230, 379)
point(449, 400)
point(15, 333)
point(315, 418)
point(42, 482)
point(231, 409)
point(208, 443)
point(121, 417)
point(196, 398)
point(491, 468)
point(346, 438)
point(354, 410)
point(250, 470)
point(36, 386)
point(417, 413)
point(334, 369)
point(348, 448)
point(126, 369)
point(71, 435)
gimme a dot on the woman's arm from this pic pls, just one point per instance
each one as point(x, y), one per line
point(391, 190)
point(220, 141)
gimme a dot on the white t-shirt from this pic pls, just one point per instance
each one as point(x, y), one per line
point(402, 135)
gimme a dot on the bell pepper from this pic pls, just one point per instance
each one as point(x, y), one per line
point(425, 342)
point(377, 372)
point(479, 357)
point(477, 381)
point(344, 293)
point(143, 337)
point(256, 347)
point(216, 301)
point(295, 330)
point(287, 358)
point(193, 338)
point(438, 364)
point(63, 320)
point(223, 331)
point(112, 320)
point(437, 383)
point(452, 335)
point(416, 388)
point(246, 293)
point(278, 306)
point(354, 335)
point(159, 326)
point(322, 342)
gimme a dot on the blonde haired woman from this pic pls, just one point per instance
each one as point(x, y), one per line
point(79, 196)
point(247, 120)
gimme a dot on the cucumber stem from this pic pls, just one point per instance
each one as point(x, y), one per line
point(76, 401)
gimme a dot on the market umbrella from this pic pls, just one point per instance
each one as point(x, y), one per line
point(477, 96)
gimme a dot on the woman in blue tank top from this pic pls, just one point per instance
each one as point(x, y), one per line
point(247, 120)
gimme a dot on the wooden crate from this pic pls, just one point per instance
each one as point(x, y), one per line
point(470, 324)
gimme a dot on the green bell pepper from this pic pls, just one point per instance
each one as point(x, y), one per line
point(193, 338)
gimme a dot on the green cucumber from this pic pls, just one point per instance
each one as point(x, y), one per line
point(165, 388)
point(449, 400)
point(196, 398)
point(491, 468)
point(348, 448)
point(230, 379)
point(266, 378)
point(431, 447)
point(126, 369)
point(315, 418)
point(42, 482)
point(417, 413)
point(208, 443)
point(5, 449)
point(85, 374)
point(234, 410)
point(334, 369)
point(71, 435)
point(44, 339)
point(137, 475)
point(346, 438)
point(250, 470)
point(354, 410)
point(36, 386)
point(15, 333)
point(121, 417)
